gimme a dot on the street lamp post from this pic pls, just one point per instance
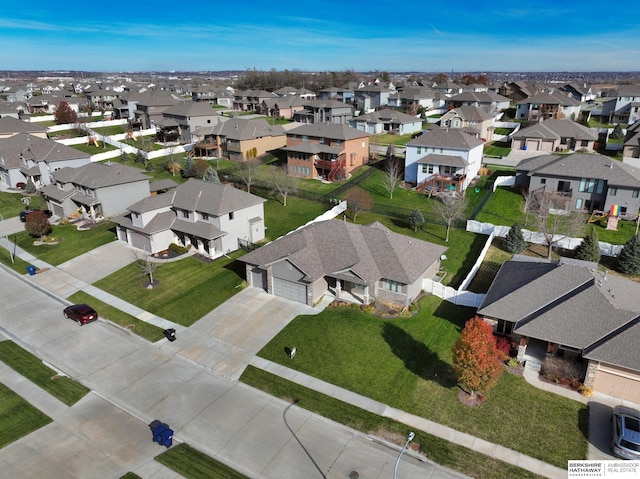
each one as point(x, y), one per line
point(409, 439)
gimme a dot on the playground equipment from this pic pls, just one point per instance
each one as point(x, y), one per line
point(613, 216)
point(130, 136)
point(91, 139)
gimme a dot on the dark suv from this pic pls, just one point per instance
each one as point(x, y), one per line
point(80, 313)
point(25, 213)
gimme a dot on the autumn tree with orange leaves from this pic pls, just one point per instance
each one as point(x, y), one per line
point(476, 361)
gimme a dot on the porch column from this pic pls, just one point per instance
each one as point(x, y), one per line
point(338, 288)
point(92, 212)
point(522, 348)
point(590, 376)
point(366, 295)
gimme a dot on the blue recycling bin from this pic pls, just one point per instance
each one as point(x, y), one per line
point(162, 433)
point(31, 270)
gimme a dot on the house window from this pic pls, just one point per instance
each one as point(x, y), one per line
point(419, 150)
point(393, 286)
point(579, 204)
point(305, 138)
point(613, 191)
point(185, 214)
point(205, 216)
point(231, 215)
point(427, 169)
point(587, 185)
point(136, 215)
point(635, 193)
point(584, 143)
point(321, 141)
point(543, 181)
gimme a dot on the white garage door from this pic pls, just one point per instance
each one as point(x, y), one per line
point(618, 383)
point(290, 290)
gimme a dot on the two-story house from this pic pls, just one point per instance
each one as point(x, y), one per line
point(239, 139)
point(591, 182)
point(344, 95)
point(25, 157)
point(285, 106)
point(546, 105)
point(324, 111)
point(485, 100)
point(370, 97)
point(626, 107)
point(149, 108)
point(472, 119)
point(182, 119)
point(443, 159)
point(95, 190)
point(213, 96)
point(10, 126)
point(631, 147)
point(325, 150)
point(554, 135)
point(213, 218)
point(387, 121)
point(250, 100)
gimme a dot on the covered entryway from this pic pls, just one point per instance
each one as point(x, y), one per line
point(617, 382)
point(290, 290)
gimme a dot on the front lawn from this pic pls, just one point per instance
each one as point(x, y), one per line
point(406, 363)
point(17, 417)
point(11, 204)
point(72, 242)
point(186, 291)
point(23, 362)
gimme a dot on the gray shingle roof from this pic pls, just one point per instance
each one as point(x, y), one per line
point(100, 175)
point(550, 98)
point(336, 247)
point(243, 129)
point(9, 124)
point(388, 115)
point(36, 149)
point(435, 159)
point(446, 138)
point(555, 129)
point(328, 130)
point(581, 165)
point(472, 113)
point(212, 198)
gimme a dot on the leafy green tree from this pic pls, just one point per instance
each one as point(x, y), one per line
point(589, 248)
point(514, 241)
point(616, 133)
point(210, 175)
point(476, 360)
point(416, 220)
point(629, 257)
point(30, 187)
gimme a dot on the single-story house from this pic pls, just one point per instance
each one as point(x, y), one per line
point(213, 218)
point(572, 310)
point(387, 121)
point(351, 262)
point(471, 119)
point(555, 135)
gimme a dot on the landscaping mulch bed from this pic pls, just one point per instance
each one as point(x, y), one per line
point(466, 399)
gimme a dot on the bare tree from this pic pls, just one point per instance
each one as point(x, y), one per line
point(247, 171)
point(357, 200)
point(555, 219)
point(450, 209)
point(147, 267)
point(283, 182)
point(392, 176)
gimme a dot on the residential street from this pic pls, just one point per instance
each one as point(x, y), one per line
point(134, 382)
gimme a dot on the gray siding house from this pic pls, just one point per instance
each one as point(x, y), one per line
point(592, 182)
point(95, 190)
point(213, 218)
point(352, 262)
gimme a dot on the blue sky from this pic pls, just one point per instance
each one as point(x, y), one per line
point(423, 35)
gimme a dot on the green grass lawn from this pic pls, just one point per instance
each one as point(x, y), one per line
point(388, 139)
point(147, 331)
point(505, 207)
point(280, 219)
point(72, 242)
point(436, 449)
point(92, 149)
point(111, 130)
point(193, 464)
point(406, 363)
point(17, 417)
point(497, 148)
point(65, 389)
point(11, 204)
point(187, 290)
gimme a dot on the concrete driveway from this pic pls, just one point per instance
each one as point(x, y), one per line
point(227, 338)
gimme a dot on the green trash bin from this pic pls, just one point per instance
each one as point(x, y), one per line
point(31, 270)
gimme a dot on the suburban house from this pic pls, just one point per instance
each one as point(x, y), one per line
point(589, 182)
point(292, 91)
point(574, 311)
point(625, 108)
point(345, 95)
point(213, 218)
point(325, 151)
point(371, 97)
point(213, 96)
point(518, 90)
point(448, 88)
point(555, 135)
point(632, 141)
point(412, 98)
point(485, 100)
point(238, 139)
point(546, 105)
point(180, 120)
point(284, 107)
point(10, 126)
point(344, 260)
point(149, 109)
point(25, 157)
point(102, 100)
point(324, 111)
point(95, 190)
point(471, 119)
point(443, 159)
point(582, 93)
point(250, 100)
point(387, 121)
